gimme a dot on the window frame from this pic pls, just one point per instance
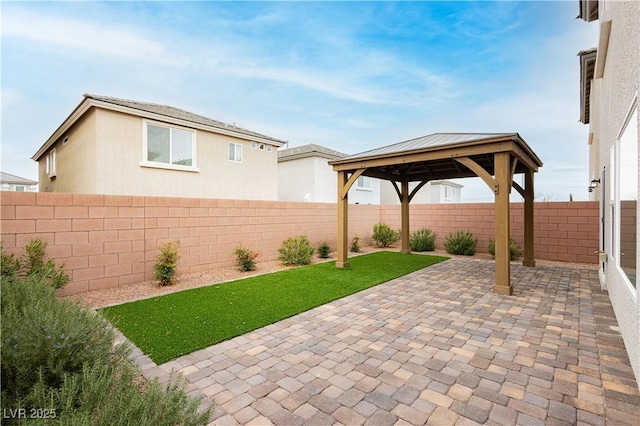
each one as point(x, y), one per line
point(50, 167)
point(235, 152)
point(616, 216)
point(162, 165)
point(361, 180)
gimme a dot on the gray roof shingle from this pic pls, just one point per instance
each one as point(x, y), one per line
point(178, 113)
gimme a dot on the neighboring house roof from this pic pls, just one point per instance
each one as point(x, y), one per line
point(157, 112)
point(15, 180)
point(311, 150)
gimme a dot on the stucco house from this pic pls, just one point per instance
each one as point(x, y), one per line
point(304, 174)
point(122, 147)
point(609, 82)
point(10, 182)
point(434, 192)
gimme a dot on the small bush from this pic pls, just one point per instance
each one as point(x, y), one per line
point(384, 236)
point(355, 245)
point(10, 264)
point(515, 251)
point(245, 259)
point(296, 251)
point(460, 242)
point(34, 264)
point(423, 240)
point(165, 267)
point(324, 250)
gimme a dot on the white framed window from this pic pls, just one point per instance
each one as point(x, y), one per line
point(363, 183)
point(235, 152)
point(50, 163)
point(626, 197)
point(269, 148)
point(20, 188)
point(254, 145)
point(169, 147)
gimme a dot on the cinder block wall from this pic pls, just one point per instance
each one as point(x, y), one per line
point(109, 241)
point(564, 231)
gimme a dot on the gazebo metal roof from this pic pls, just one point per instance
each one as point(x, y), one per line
point(432, 157)
point(494, 157)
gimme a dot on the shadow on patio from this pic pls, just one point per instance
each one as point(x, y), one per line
point(434, 347)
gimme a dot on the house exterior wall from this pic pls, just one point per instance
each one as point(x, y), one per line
point(312, 179)
point(616, 90)
point(110, 241)
point(306, 179)
point(19, 187)
point(362, 195)
point(432, 192)
point(105, 152)
point(76, 161)
point(325, 181)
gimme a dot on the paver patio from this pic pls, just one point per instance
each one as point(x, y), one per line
point(434, 347)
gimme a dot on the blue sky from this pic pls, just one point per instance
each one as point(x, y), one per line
point(351, 76)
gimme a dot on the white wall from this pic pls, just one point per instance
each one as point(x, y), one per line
point(365, 196)
point(296, 180)
point(432, 192)
point(618, 87)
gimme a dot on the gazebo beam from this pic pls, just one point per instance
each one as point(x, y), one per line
point(343, 220)
point(404, 205)
point(529, 259)
point(502, 256)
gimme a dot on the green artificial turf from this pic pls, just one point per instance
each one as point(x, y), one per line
point(176, 324)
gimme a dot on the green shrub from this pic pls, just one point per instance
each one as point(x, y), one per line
point(167, 263)
point(355, 245)
point(460, 242)
point(34, 264)
point(59, 356)
point(384, 236)
point(245, 259)
point(515, 251)
point(44, 339)
point(324, 250)
point(10, 265)
point(423, 240)
point(296, 251)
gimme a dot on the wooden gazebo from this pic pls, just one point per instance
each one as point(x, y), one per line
point(494, 157)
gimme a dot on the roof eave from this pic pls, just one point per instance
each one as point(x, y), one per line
point(75, 115)
point(88, 102)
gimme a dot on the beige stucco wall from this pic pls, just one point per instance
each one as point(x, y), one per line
point(120, 172)
point(75, 160)
point(105, 152)
point(619, 85)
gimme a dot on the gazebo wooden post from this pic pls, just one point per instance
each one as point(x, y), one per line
point(529, 259)
point(343, 221)
point(502, 167)
point(404, 201)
